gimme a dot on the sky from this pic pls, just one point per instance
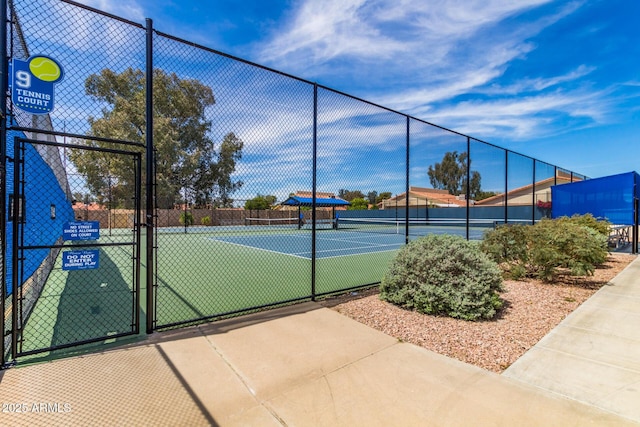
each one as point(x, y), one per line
point(558, 81)
point(554, 80)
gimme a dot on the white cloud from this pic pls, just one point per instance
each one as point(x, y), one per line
point(324, 30)
point(538, 84)
point(416, 57)
point(129, 9)
point(524, 117)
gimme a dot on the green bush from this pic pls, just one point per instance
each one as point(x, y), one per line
point(565, 244)
point(186, 218)
point(206, 220)
point(601, 226)
point(444, 275)
point(507, 245)
point(575, 245)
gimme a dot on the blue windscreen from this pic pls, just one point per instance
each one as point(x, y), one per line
point(610, 197)
point(41, 191)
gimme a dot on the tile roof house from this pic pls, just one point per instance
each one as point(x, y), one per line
point(419, 196)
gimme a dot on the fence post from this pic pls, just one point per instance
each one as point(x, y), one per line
point(3, 173)
point(313, 192)
point(468, 194)
point(406, 213)
point(533, 197)
point(506, 186)
point(150, 176)
point(636, 220)
point(15, 253)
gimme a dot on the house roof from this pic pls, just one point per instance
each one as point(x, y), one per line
point(433, 196)
point(319, 194)
point(545, 183)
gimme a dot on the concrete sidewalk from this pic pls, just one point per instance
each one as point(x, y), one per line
point(593, 356)
point(297, 366)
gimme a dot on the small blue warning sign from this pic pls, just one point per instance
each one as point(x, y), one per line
point(81, 260)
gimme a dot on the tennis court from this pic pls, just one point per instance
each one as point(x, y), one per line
point(350, 237)
point(212, 271)
point(329, 244)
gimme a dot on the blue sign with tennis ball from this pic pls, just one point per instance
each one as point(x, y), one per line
point(33, 82)
point(80, 260)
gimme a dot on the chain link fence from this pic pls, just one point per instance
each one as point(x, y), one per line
point(263, 188)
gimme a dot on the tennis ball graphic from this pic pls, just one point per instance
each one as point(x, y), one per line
point(45, 69)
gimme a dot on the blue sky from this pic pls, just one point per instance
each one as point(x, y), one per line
point(556, 80)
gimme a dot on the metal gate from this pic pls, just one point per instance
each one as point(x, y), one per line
point(75, 272)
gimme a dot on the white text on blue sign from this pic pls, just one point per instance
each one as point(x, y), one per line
point(81, 260)
point(82, 230)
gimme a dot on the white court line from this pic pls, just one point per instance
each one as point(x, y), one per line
point(361, 253)
point(260, 249)
point(371, 244)
point(349, 249)
point(298, 254)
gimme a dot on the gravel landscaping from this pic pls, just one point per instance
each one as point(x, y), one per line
point(532, 308)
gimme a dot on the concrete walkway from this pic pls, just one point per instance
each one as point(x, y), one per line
point(303, 365)
point(593, 356)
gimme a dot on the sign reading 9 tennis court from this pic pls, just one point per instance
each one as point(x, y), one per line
point(33, 82)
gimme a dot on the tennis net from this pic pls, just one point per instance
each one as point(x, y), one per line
point(416, 226)
point(273, 222)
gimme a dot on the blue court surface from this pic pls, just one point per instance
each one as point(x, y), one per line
point(328, 244)
point(331, 243)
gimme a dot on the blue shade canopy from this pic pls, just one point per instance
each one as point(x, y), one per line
point(610, 197)
point(308, 201)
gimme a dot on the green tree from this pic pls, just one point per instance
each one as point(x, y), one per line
point(383, 196)
point(451, 175)
point(481, 195)
point(349, 195)
point(372, 196)
point(79, 197)
point(260, 202)
point(359, 204)
point(189, 166)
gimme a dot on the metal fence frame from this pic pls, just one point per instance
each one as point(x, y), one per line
point(150, 215)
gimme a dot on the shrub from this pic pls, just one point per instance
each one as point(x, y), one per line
point(206, 220)
point(186, 218)
point(565, 244)
point(507, 245)
point(444, 275)
point(575, 245)
point(601, 226)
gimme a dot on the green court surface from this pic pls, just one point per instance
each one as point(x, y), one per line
point(198, 275)
point(76, 306)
